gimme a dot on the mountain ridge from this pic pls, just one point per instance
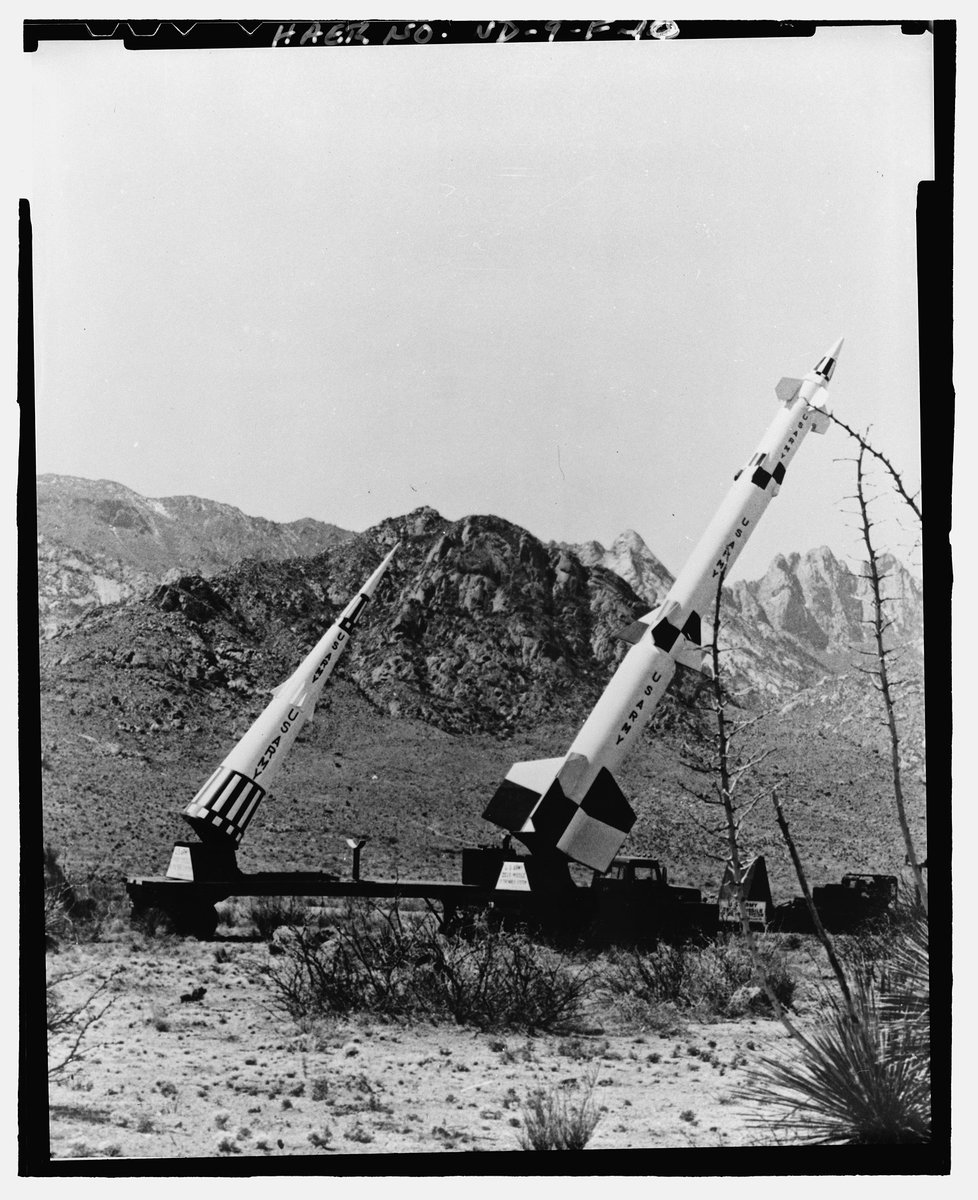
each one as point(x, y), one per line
point(483, 646)
point(99, 542)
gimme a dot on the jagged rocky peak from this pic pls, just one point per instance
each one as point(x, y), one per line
point(629, 557)
point(487, 564)
point(826, 604)
point(780, 594)
point(631, 542)
point(588, 552)
point(420, 522)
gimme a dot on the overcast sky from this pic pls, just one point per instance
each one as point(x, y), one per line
point(554, 283)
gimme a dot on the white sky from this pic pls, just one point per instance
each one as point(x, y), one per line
point(555, 283)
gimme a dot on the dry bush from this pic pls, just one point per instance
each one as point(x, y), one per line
point(382, 961)
point(716, 978)
point(76, 908)
point(268, 913)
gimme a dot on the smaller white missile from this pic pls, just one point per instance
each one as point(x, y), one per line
point(222, 809)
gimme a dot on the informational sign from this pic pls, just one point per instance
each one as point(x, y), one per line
point(512, 878)
point(181, 865)
point(730, 912)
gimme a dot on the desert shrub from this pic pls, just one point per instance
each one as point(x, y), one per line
point(268, 913)
point(59, 900)
point(76, 907)
point(553, 1120)
point(153, 921)
point(862, 1076)
point(382, 961)
point(715, 978)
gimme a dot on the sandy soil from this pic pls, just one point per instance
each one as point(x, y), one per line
point(228, 1075)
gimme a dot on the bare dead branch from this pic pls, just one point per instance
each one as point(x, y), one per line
point(866, 446)
point(68, 1025)
point(823, 937)
point(884, 688)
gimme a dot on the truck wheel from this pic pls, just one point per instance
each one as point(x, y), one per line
point(199, 922)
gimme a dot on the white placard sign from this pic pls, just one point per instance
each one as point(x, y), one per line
point(181, 865)
point(730, 912)
point(512, 878)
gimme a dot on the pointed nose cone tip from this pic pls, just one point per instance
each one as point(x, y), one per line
point(826, 366)
point(378, 574)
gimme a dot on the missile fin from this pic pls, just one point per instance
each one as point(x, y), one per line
point(511, 805)
point(820, 420)
point(573, 770)
point(696, 658)
point(536, 774)
point(787, 389)
point(633, 633)
point(553, 814)
point(693, 629)
point(596, 831)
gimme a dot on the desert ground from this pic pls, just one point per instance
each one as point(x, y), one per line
point(193, 1058)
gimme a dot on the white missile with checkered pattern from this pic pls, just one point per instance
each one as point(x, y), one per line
point(222, 809)
point(572, 805)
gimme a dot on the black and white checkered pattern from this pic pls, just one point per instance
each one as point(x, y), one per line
point(591, 832)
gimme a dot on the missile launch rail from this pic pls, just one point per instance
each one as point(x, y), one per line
point(633, 902)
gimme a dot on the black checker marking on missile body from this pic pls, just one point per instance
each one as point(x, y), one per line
point(762, 478)
point(664, 635)
point(553, 814)
point(605, 802)
point(511, 805)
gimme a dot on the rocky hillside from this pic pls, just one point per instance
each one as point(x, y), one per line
point(483, 646)
point(100, 542)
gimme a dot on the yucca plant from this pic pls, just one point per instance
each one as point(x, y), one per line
point(863, 1075)
point(552, 1121)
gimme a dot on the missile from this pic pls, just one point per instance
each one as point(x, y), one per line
point(222, 809)
point(573, 805)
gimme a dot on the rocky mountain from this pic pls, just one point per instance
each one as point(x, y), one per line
point(822, 604)
point(100, 542)
point(809, 607)
point(483, 646)
point(630, 558)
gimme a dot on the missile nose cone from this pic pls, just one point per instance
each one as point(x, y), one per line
point(826, 366)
